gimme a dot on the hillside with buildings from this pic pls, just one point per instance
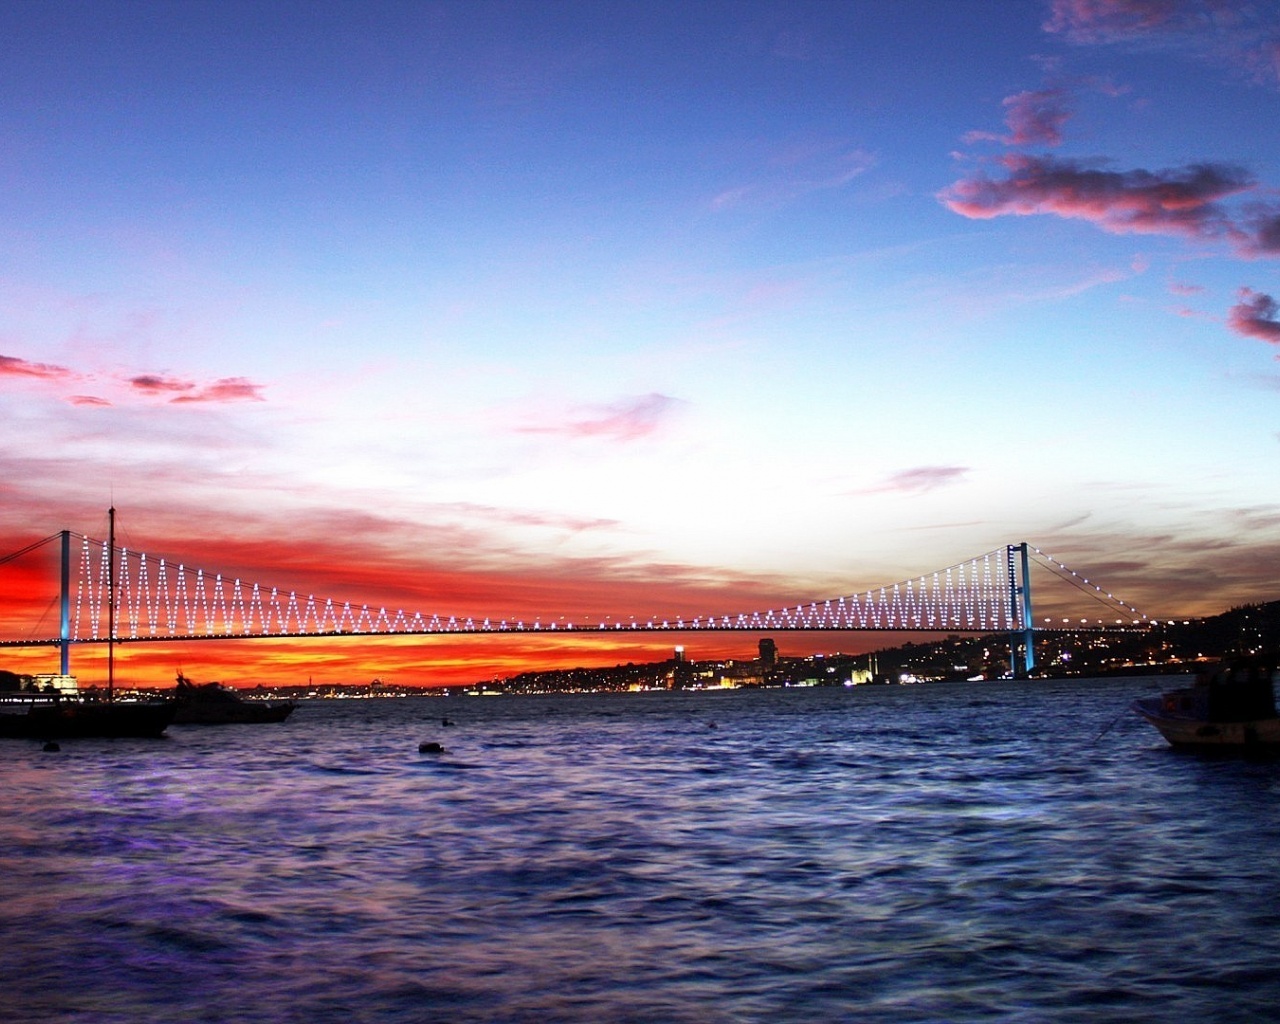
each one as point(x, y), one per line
point(1170, 647)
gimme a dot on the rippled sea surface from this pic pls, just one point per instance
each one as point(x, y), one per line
point(1010, 852)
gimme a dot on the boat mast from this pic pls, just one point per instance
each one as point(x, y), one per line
point(111, 602)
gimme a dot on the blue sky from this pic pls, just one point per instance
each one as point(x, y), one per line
point(722, 301)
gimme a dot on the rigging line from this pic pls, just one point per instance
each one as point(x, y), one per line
point(1093, 593)
point(29, 548)
point(885, 600)
point(45, 614)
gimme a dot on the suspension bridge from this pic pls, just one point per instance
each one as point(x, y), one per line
point(111, 594)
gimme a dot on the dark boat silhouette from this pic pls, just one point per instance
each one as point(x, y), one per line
point(41, 717)
point(1230, 706)
point(215, 704)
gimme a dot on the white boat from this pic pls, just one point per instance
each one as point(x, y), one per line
point(1231, 706)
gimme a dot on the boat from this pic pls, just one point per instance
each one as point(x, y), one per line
point(49, 716)
point(1231, 705)
point(42, 717)
point(215, 704)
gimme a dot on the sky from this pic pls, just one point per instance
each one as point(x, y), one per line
point(517, 309)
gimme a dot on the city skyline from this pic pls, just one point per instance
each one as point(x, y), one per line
point(522, 310)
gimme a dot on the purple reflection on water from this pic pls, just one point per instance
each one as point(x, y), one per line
point(947, 852)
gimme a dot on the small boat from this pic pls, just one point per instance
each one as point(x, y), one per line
point(215, 704)
point(55, 718)
point(1232, 705)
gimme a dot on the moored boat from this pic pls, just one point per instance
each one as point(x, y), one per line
point(1232, 705)
point(215, 704)
point(55, 718)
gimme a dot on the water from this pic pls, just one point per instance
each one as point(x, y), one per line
point(975, 852)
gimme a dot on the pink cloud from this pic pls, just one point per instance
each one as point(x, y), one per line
point(1180, 288)
point(730, 198)
point(922, 478)
point(1036, 118)
point(1104, 21)
point(796, 171)
point(1265, 61)
point(1242, 37)
point(153, 384)
point(228, 389)
point(1033, 118)
point(1172, 202)
point(627, 420)
point(1263, 232)
point(12, 366)
point(1256, 315)
point(522, 517)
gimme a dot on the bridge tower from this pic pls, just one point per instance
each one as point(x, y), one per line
point(64, 628)
point(1022, 640)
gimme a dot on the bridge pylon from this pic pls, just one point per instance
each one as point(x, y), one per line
point(1022, 650)
point(64, 626)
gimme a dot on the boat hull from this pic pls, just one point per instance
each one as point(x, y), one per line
point(63, 719)
point(215, 704)
point(1182, 730)
point(248, 712)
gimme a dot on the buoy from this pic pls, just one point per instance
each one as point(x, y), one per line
point(50, 747)
point(445, 721)
point(430, 748)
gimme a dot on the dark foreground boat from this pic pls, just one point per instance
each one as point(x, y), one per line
point(1230, 706)
point(50, 718)
point(215, 704)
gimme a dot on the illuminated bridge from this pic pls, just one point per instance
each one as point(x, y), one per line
point(113, 594)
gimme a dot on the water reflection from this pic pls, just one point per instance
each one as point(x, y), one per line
point(924, 854)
